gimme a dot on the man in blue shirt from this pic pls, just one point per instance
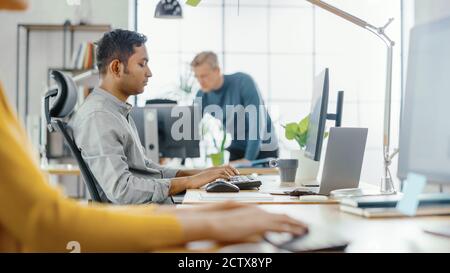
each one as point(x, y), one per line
point(236, 101)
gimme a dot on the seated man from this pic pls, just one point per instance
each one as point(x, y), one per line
point(243, 111)
point(107, 136)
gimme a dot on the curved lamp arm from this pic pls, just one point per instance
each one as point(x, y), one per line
point(386, 181)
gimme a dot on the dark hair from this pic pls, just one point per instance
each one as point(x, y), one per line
point(117, 44)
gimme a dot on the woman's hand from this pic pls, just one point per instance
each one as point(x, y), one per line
point(236, 223)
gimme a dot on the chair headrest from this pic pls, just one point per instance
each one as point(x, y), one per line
point(66, 98)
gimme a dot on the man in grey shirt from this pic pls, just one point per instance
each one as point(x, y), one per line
point(107, 137)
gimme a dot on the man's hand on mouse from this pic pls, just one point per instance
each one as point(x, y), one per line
point(209, 175)
point(228, 168)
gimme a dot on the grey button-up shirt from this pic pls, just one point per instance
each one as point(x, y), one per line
point(107, 137)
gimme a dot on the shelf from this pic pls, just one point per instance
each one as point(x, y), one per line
point(71, 69)
point(67, 52)
point(58, 27)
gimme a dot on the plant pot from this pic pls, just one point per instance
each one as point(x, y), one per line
point(307, 168)
point(218, 159)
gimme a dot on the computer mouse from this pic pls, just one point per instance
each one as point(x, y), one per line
point(221, 186)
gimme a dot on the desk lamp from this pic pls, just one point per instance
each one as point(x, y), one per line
point(168, 9)
point(387, 185)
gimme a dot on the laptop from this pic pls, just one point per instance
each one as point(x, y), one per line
point(343, 161)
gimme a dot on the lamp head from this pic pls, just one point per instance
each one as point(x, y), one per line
point(168, 9)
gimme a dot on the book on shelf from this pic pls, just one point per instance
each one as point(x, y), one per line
point(84, 56)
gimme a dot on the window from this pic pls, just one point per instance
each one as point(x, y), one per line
point(283, 44)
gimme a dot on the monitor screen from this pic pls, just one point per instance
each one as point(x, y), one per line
point(177, 127)
point(177, 132)
point(318, 116)
point(425, 127)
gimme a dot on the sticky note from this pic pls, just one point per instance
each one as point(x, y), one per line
point(414, 185)
point(193, 3)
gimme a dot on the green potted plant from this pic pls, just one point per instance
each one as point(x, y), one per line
point(218, 159)
point(214, 139)
point(307, 168)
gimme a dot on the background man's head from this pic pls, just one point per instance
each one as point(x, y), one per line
point(207, 71)
point(122, 60)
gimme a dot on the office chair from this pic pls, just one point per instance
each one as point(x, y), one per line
point(64, 99)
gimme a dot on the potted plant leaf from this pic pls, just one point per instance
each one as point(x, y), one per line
point(307, 168)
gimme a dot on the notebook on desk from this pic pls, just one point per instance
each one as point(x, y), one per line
point(241, 196)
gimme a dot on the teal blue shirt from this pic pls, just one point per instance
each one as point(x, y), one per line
point(240, 89)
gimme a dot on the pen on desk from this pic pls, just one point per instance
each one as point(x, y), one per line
point(313, 185)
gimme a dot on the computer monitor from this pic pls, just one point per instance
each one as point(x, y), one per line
point(425, 128)
point(319, 115)
point(163, 118)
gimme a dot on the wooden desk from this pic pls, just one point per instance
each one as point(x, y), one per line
point(66, 169)
point(63, 169)
point(270, 183)
point(373, 235)
point(193, 197)
point(365, 235)
point(259, 171)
